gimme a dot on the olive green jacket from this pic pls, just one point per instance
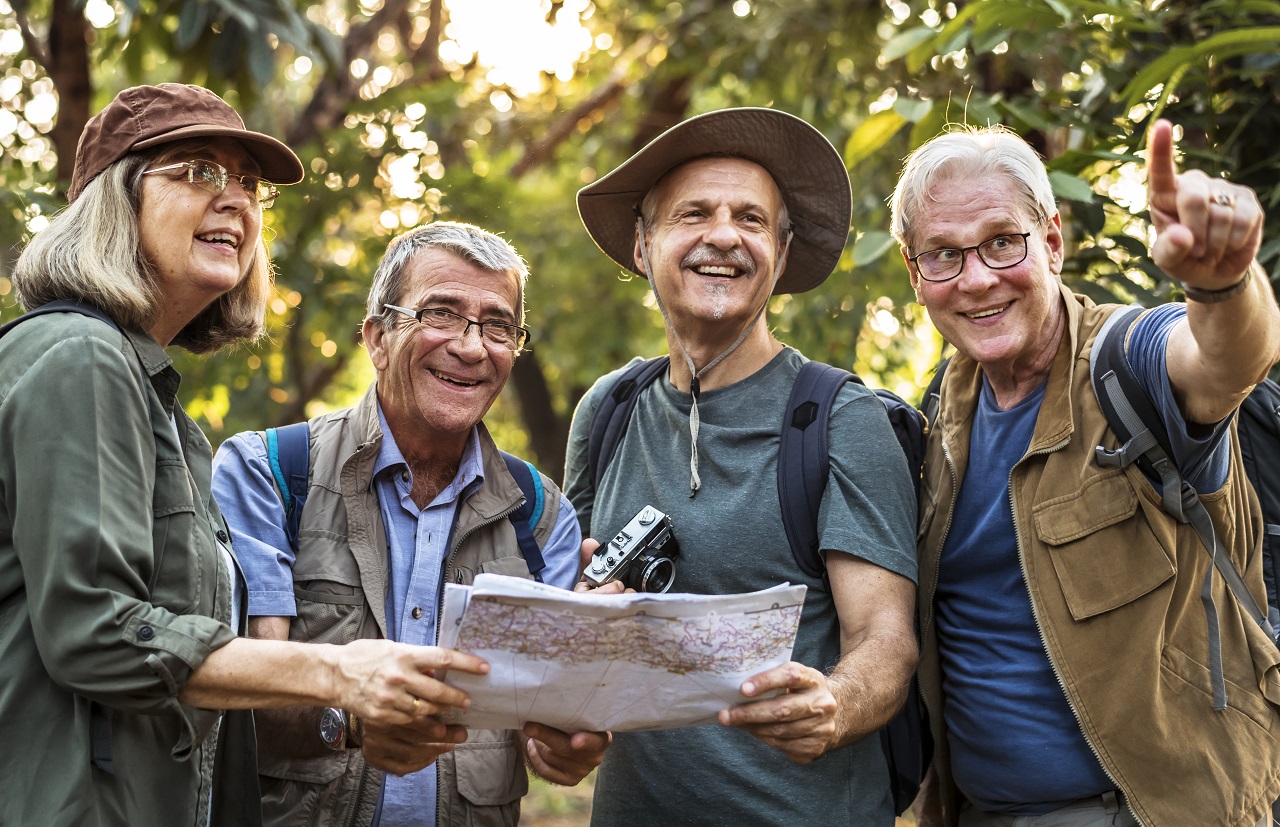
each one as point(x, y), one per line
point(1115, 586)
point(112, 588)
point(340, 585)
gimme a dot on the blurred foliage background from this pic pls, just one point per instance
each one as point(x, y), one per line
point(496, 111)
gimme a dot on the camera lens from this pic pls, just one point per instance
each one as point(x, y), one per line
point(658, 575)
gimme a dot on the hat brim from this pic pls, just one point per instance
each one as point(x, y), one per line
point(809, 172)
point(276, 162)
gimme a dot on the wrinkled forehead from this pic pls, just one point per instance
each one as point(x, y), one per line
point(952, 203)
point(691, 177)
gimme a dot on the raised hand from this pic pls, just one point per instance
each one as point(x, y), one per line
point(1208, 230)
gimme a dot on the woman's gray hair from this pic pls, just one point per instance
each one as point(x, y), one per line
point(466, 241)
point(967, 152)
point(92, 252)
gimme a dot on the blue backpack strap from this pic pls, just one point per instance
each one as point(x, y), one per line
point(609, 424)
point(803, 459)
point(289, 455)
point(525, 518)
point(61, 306)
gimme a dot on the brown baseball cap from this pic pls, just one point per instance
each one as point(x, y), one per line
point(803, 163)
point(145, 116)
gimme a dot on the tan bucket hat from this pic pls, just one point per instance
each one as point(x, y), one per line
point(144, 116)
point(807, 168)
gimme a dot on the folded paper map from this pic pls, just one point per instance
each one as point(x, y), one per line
point(610, 662)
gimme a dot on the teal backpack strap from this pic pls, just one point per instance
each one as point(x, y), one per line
point(289, 455)
point(525, 518)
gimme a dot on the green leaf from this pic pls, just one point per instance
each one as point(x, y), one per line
point(1221, 46)
point(1070, 187)
point(262, 60)
point(871, 135)
point(191, 23)
point(871, 246)
point(904, 42)
point(912, 109)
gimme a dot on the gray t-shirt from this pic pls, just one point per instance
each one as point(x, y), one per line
point(732, 540)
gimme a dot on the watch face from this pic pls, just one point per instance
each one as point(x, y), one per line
point(331, 728)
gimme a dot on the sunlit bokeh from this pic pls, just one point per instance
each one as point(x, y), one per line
point(515, 41)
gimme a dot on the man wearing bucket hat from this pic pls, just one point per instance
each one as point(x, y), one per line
point(719, 213)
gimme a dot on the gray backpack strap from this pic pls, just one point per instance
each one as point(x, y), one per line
point(1136, 422)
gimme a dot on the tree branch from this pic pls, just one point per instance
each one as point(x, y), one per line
point(35, 47)
point(540, 151)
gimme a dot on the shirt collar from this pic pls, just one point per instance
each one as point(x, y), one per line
point(390, 458)
point(158, 365)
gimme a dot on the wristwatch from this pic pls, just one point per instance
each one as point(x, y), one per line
point(333, 728)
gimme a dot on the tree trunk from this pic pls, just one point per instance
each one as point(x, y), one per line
point(548, 432)
point(68, 67)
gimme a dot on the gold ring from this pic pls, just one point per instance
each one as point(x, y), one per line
point(1224, 200)
point(416, 701)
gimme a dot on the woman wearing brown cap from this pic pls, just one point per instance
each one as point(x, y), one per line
point(119, 596)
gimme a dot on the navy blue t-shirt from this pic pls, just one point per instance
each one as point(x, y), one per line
point(1015, 743)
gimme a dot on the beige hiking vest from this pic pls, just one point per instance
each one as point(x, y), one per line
point(340, 583)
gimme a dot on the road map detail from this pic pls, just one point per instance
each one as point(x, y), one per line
point(617, 662)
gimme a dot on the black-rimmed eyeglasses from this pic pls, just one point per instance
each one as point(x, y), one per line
point(447, 323)
point(213, 177)
point(998, 252)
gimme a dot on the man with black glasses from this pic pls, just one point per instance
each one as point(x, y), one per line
point(1071, 663)
point(406, 491)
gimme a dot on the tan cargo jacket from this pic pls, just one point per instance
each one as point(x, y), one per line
point(1115, 586)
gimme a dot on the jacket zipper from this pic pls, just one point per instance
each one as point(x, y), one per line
point(1035, 612)
point(355, 809)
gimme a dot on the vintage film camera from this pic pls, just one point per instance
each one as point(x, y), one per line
point(642, 555)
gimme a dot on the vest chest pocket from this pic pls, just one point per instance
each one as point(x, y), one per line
point(1103, 551)
point(326, 588)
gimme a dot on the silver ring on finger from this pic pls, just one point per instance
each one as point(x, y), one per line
point(1222, 199)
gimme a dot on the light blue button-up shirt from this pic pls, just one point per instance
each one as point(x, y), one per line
point(418, 542)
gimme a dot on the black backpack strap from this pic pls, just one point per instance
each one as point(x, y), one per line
point(1259, 433)
point(803, 460)
point(289, 455)
point(803, 465)
point(61, 306)
point(525, 518)
point(1143, 439)
point(614, 414)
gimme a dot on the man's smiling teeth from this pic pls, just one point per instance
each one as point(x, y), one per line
point(219, 238)
point(710, 270)
point(453, 381)
point(985, 313)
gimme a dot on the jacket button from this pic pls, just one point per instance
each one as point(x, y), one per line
point(222, 536)
point(146, 633)
point(417, 612)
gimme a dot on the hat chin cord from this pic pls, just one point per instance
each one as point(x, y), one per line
point(695, 481)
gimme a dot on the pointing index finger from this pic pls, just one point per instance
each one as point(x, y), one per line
point(1161, 172)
